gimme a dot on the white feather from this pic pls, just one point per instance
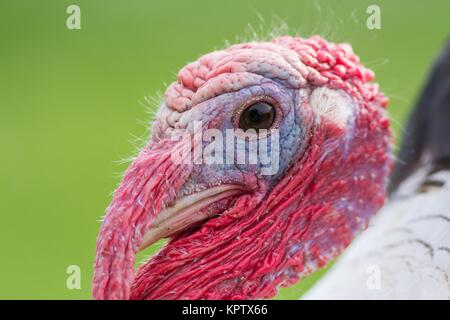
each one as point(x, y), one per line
point(334, 105)
point(404, 254)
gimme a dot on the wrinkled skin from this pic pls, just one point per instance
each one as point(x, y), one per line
point(269, 230)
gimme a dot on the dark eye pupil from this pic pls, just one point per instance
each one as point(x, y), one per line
point(257, 116)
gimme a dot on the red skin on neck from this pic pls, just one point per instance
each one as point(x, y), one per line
point(269, 237)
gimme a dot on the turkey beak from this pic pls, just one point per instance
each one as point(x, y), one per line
point(186, 212)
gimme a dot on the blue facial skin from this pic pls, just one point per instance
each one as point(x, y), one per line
point(218, 113)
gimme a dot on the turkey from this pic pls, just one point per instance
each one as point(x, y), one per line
point(405, 253)
point(236, 230)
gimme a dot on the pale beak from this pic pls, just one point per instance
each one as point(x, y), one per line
point(186, 212)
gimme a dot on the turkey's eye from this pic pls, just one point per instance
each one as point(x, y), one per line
point(259, 115)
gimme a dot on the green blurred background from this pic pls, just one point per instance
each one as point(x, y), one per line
point(70, 104)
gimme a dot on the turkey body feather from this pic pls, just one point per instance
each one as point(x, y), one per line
point(405, 253)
